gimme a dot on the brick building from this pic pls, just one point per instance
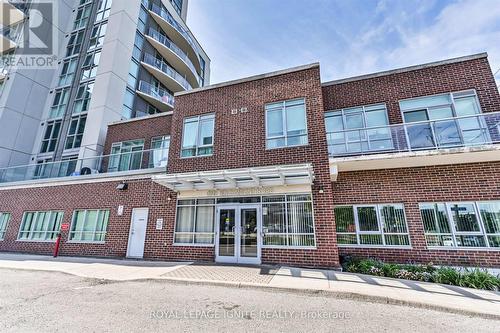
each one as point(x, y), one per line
point(282, 168)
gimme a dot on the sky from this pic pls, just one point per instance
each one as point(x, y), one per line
point(348, 37)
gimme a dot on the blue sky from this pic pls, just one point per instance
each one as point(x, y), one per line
point(348, 37)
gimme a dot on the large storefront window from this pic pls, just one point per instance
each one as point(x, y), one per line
point(4, 220)
point(40, 226)
point(461, 224)
point(372, 225)
point(89, 226)
point(288, 221)
point(195, 222)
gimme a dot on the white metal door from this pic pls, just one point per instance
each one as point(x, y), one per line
point(238, 234)
point(137, 235)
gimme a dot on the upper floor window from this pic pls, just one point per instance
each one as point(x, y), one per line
point(90, 64)
point(83, 96)
point(358, 129)
point(82, 16)
point(103, 10)
point(59, 104)
point(372, 225)
point(126, 155)
point(4, 220)
point(451, 119)
point(286, 124)
point(75, 43)
point(75, 132)
point(462, 224)
point(198, 136)
point(97, 36)
point(159, 152)
point(68, 71)
point(50, 137)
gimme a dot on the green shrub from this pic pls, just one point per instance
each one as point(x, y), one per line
point(471, 278)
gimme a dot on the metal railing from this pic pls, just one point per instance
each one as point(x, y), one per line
point(157, 93)
point(169, 18)
point(134, 160)
point(164, 40)
point(473, 130)
point(165, 68)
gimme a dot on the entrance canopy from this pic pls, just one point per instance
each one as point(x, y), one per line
point(300, 174)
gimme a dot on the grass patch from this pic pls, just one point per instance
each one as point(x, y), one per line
point(468, 277)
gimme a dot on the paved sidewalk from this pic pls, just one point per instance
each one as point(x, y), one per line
point(345, 285)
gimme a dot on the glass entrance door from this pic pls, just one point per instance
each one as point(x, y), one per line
point(238, 236)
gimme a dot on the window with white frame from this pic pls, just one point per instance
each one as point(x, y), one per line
point(461, 224)
point(82, 16)
point(40, 226)
point(75, 132)
point(50, 137)
point(449, 119)
point(59, 103)
point(90, 64)
point(159, 152)
point(126, 155)
point(4, 220)
point(286, 124)
point(358, 129)
point(195, 222)
point(198, 136)
point(89, 226)
point(83, 97)
point(288, 221)
point(97, 36)
point(372, 225)
point(75, 43)
point(103, 10)
point(68, 71)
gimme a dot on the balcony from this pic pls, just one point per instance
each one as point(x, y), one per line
point(11, 12)
point(165, 74)
point(465, 139)
point(174, 55)
point(104, 164)
point(157, 97)
point(177, 33)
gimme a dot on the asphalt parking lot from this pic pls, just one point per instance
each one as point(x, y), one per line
point(50, 302)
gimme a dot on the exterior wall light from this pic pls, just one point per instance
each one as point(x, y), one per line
point(122, 186)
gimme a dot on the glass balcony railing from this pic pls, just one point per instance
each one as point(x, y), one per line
point(157, 93)
point(165, 68)
point(134, 160)
point(473, 130)
point(162, 39)
point(170, 20)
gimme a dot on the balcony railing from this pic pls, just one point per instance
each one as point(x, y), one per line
point(168, 17)
point(473, 130)
point(135, 160)
point(165, 68)
point(157, 93)
point(162, 39)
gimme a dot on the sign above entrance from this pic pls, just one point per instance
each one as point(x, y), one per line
point(245, 192)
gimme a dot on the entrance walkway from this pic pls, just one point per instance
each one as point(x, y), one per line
point(338, 284)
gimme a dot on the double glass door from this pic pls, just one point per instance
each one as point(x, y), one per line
point(238, 237)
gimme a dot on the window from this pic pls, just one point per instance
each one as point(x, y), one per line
point(372, 225)
point(132, 74)
point(128, 104)
point(49, 140)
point(40, 226)
point(126, 155)
point(75, 132)
point(195, 222)
point(83, 96)
point(288, 221)
point(286, 124)
point(97, 35)
point(67, 166)
point(82, 16)
point(177, 5)
point(358, 129)
point(74, 43)
point(461, 224)
point(138, 47)
point(159, 152)
point(431, 121)
point(198, 136)
point(68, 71)
point(143, 18)
point(90, 64)
point(43, 169)
point(4, 220)
point(103, 10)
point(89, 226)
point(59, 104)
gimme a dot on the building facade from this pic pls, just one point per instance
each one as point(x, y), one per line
point(282, 168)
point(115, 60)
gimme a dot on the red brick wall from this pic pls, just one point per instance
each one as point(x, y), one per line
point(140, 193)
point(410, 186)
point(239, 142)
point(390, 89)
point(147, 128)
